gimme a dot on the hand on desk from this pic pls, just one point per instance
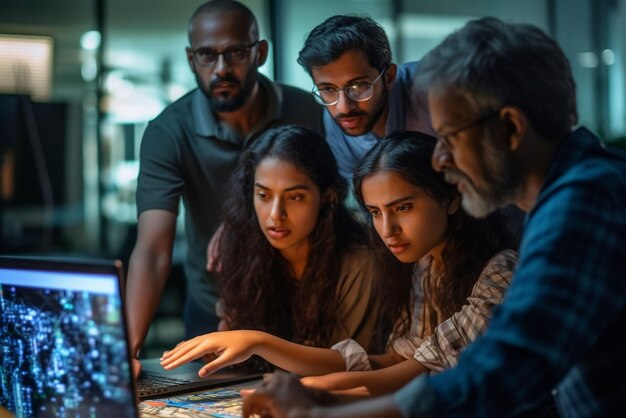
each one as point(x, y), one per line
point(282, 395)
point(218, 349)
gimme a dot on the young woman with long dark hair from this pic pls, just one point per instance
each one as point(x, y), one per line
point(440, 274)
point(293, 260)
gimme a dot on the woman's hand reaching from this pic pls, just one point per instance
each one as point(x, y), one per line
point(218, 349)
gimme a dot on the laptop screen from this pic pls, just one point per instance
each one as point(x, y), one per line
point(63, 350)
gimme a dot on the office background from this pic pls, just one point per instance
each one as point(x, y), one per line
point(79, 80)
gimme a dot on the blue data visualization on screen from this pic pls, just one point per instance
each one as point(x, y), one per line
point(63, 351)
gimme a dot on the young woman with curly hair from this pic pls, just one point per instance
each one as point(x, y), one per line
point(293, 260)
point(440, 272)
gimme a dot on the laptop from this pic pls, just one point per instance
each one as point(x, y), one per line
point(64, 346)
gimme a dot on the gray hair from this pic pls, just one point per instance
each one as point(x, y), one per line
point(493, 64)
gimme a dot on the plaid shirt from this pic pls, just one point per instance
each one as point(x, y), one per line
point(562, 326)
point(442, 349)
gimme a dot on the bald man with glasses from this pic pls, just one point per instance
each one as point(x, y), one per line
point(189, 151)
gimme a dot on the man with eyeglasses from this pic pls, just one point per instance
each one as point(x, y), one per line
point(365, 94)
point(503, 101)
point(189, 152)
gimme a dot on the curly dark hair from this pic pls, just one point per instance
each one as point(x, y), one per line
point(470, 242)
point(256, 287)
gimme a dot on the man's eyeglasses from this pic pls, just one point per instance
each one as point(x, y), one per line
point(358, 92)
point(207, 57)
point(446, 138)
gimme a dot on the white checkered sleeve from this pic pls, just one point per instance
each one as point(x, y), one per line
point(353, 355)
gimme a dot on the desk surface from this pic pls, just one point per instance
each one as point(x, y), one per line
point(219, 403)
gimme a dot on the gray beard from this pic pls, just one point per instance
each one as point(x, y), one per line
point(477, 205)
point(504, 184)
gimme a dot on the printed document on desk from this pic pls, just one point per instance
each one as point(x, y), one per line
point(217, 403)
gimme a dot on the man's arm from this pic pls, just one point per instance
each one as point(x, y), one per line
point(214, 262)
point(149, 267)
point(282, 396)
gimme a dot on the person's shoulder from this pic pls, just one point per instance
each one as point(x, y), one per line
point(406, 72)
point(409, 66)
point(505, 259)
point(295, 95)
point(355, 249)
point(596, 164)
point(606, 169)
point(177, 117)
point(496, 277)
point(179, 108)
point(500, 267)
point(357, 268)
point(356, 256)
point(300, 108)
point(585, 170)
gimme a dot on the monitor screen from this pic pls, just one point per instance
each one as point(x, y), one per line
point(63, 344)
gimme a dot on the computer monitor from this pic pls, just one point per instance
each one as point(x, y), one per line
point(63, 343)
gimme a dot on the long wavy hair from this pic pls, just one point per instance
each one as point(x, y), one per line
point(470, 242)
point(257, 289)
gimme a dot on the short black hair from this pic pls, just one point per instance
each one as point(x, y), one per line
point(339, 34)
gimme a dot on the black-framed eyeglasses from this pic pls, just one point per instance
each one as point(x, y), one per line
point(358, 92)
point(445, 138)
point(207, 57)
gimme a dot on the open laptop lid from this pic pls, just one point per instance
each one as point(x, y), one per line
point(63, 342)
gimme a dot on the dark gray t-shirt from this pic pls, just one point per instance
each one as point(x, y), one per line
point(186, 153)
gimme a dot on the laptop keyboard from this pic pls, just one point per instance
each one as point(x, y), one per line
point(150, 385)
